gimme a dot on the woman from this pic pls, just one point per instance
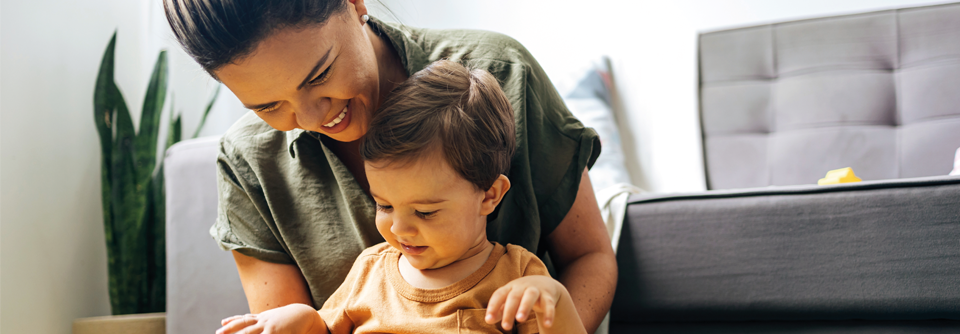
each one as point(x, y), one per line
point(295, 208)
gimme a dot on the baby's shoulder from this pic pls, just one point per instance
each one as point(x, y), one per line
point(525, 261)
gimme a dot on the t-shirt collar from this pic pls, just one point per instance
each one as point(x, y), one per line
point(292, 137)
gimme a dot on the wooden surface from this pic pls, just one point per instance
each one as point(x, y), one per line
point(147, 323)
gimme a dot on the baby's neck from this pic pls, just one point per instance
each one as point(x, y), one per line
point(449, 274)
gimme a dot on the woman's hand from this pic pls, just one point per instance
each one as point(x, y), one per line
point(540, 294)
point(290, 319)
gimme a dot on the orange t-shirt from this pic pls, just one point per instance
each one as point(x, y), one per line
point(374, 298)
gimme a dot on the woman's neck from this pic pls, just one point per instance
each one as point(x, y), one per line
point(390, 66)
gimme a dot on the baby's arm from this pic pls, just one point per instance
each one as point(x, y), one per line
point(290, 319)
point(541, 294)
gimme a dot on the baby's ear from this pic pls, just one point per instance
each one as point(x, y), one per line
point(493, 196)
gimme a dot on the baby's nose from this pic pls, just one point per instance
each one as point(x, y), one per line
point(402, 228)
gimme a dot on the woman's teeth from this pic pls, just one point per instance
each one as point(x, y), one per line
point(338, 120)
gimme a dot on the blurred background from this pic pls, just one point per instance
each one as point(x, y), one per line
point(52, 255)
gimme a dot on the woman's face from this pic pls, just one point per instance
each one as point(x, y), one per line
point(321, 78)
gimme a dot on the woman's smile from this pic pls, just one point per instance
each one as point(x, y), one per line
point(340, 122)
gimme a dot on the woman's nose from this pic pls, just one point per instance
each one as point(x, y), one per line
point(402, 228)
point(310, 115)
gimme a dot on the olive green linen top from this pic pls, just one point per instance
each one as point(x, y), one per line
point(286, 198)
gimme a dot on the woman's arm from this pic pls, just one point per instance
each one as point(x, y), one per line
point(581, 250)
point(271, 285)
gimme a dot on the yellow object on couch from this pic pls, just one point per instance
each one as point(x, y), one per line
point(842, 175)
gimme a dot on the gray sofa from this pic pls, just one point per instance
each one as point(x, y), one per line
point(768, 251)
point(781, 104)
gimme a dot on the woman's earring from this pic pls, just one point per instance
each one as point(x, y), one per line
point(364, 18)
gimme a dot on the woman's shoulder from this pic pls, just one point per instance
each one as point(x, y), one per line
point(251, 134)
point(475, 48)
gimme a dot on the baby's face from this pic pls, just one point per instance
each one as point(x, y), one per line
point(427, 210)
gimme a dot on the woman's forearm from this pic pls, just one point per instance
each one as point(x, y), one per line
point(563, 320)
point(581, 250)
point(271, 285)
point(591, 281)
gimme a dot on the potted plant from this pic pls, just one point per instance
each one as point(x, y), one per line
point(133, 199)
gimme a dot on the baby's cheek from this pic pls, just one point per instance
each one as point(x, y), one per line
point(383, 226)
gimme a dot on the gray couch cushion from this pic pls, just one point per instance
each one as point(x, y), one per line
point(782, 104)
point(793, 327)
point(202, 281)
point(880, 250)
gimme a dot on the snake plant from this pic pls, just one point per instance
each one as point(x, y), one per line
point(132, 188)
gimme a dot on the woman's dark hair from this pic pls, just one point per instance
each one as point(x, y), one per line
point(217, 32)
point(445, 106)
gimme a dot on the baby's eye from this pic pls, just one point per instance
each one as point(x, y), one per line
point(425, 215)
point(384, 208)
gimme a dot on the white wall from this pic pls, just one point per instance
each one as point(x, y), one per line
point(653, 49)
point(52, 252)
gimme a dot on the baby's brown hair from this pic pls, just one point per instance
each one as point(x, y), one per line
point(462, 112)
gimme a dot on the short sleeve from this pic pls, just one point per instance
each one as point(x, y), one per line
point(553, 147)
point(334, 311)
point(560, 147)
point(532, 265)
point(240, 224)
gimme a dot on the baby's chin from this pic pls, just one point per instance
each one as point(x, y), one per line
point(431, 264)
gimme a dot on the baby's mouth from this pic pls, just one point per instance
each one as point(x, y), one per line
point(413, 250)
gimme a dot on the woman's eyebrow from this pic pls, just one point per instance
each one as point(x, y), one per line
point(315, 68)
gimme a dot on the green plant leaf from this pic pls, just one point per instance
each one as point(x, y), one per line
point(176, 131)
point(206, 111)
point(127, 201)
point(103, 116)
point(145, 145)
point(157, 256)
point(103, 100)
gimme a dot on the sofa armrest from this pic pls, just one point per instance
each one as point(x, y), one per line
point(871, 250)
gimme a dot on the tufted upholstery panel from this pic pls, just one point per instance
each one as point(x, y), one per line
point(782, 104)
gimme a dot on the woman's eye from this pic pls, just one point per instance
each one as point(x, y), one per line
point(384, 208)
point(269, 108)
point(425, 215)
point(320, 79)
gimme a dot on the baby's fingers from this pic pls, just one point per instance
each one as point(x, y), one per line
point(227, 320)
point(495, 305)
point(235, 324)
point(530, 297)
point(549, 306)
point(510, 308)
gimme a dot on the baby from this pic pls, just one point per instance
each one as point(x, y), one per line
point(436, 156)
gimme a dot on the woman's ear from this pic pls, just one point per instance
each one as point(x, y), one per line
point(361, 9)
point(493, 196)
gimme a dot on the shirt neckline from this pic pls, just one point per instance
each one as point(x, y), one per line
point(440, 294)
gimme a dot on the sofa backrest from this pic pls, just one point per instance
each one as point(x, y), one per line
point(783, 103)
point(203, 285)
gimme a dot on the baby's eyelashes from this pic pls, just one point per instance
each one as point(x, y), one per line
point(425, 215)
point(384, 208)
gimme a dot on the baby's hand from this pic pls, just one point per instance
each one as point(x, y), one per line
point(516, 299)
point(290, 319)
